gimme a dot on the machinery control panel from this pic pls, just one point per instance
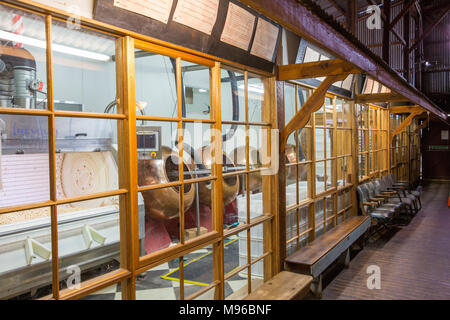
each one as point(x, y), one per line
point(148, 142)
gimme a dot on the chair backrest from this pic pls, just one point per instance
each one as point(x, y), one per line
point(377, 184)
point(362, 198)
point(371, 189)
point(391, 178)
point(387, 181)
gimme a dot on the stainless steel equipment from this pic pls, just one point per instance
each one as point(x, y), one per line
point(18, 83)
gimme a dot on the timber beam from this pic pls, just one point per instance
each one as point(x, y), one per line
point(312, 104)
point(405, 109)
point(315, 69)
point(405, 123)
point(379, 97)
point(302, 18)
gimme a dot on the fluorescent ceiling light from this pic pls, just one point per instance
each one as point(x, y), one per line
point(55, 47)
point(253, 88)
point(202, 90)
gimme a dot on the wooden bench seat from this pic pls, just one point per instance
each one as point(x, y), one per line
point(315, 257)
point(284, 286)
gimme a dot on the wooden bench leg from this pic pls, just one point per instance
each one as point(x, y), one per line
point(316, 287)
point(347, 258)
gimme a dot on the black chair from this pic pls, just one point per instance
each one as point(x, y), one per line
point(401, 189)
point(371, 208)
point(415, 192)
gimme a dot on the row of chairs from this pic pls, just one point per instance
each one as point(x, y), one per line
point(387, 199)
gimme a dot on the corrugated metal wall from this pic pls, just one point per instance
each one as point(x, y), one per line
point(436, 48)
point(373, 38)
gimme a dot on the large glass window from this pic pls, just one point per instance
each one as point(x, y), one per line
point(318, 168)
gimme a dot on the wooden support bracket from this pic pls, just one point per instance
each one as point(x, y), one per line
point(314, 102)
point(405, 109)
point(315, 69)
point(379, 97)
point(405, 123)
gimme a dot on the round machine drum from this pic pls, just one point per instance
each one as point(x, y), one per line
point(164, 203)
point(230, 186)
point(83, 173)
point(239, 157)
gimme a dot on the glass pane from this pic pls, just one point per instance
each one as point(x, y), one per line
point(320, 177)
point(340, 172)
point(329, 111)
point(232, 93)
point(197, 102)
point(257, 274)
point(329, 142)
point(303, 95)
point(320, 146)
point(86, 159)
point(112, 292)
point(159, 283)
point(330, 176)
point(198, 150)
point(330, 211)
point(259, 139)
point(319, 217)
point(87, 56)
point(23, 59)
point(234, 145)
point(237, 207)
point(25, 254)
point(235, 256)
point(291, 224)
point(255, 99)
point(198, 218)
point(256, 196)
point(198, 270)
point(319, 117)
point(289, 102)
point(291, 185)
point(305, 145)
point(304, 224)
point(303, 190)
point(236, 287)
point(159, 223)
point(88, 239)
point(155, 83)
point(24, 164)
point(157, 153)
point(339, 113)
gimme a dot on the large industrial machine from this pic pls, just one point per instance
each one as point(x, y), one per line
point(86, 163)
point(88, 231)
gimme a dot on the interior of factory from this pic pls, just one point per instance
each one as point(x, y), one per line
point(134, 166)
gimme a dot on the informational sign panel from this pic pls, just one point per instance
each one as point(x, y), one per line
point(82, 8)
point(227, 29)
point(444, 134)
point(238, 27)
point(200, 15)
point(265, 40)
point(155, 9)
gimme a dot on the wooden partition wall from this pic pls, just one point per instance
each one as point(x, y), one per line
point(258, 224)
point(319, 173)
